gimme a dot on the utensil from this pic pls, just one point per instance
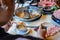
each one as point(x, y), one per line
point(27, 26)
point(30, 26)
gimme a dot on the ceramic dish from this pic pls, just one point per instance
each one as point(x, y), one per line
point(29, 13)
point(22, 32)
point(56, 19)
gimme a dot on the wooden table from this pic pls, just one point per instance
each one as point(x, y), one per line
point(44, 18)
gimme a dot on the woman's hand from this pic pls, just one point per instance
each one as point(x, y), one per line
point(42, 32)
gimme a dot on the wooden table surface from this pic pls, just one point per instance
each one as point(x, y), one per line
point(44, 18)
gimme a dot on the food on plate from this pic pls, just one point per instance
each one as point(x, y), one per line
point(23, 15)
point(57, 14)
point(20, 14)
point(41, 3)
point(34, 15)
point(21, 26)
point(44, 2)
point(52, 32)
point(51, 29)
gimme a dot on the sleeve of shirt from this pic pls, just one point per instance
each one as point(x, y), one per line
point(3, 33)
point(6, 36)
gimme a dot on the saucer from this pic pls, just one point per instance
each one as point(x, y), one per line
point(19, 32)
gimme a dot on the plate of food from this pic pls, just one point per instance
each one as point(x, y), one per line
point(21, 28)
point(52, 32)
point(28, 13)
